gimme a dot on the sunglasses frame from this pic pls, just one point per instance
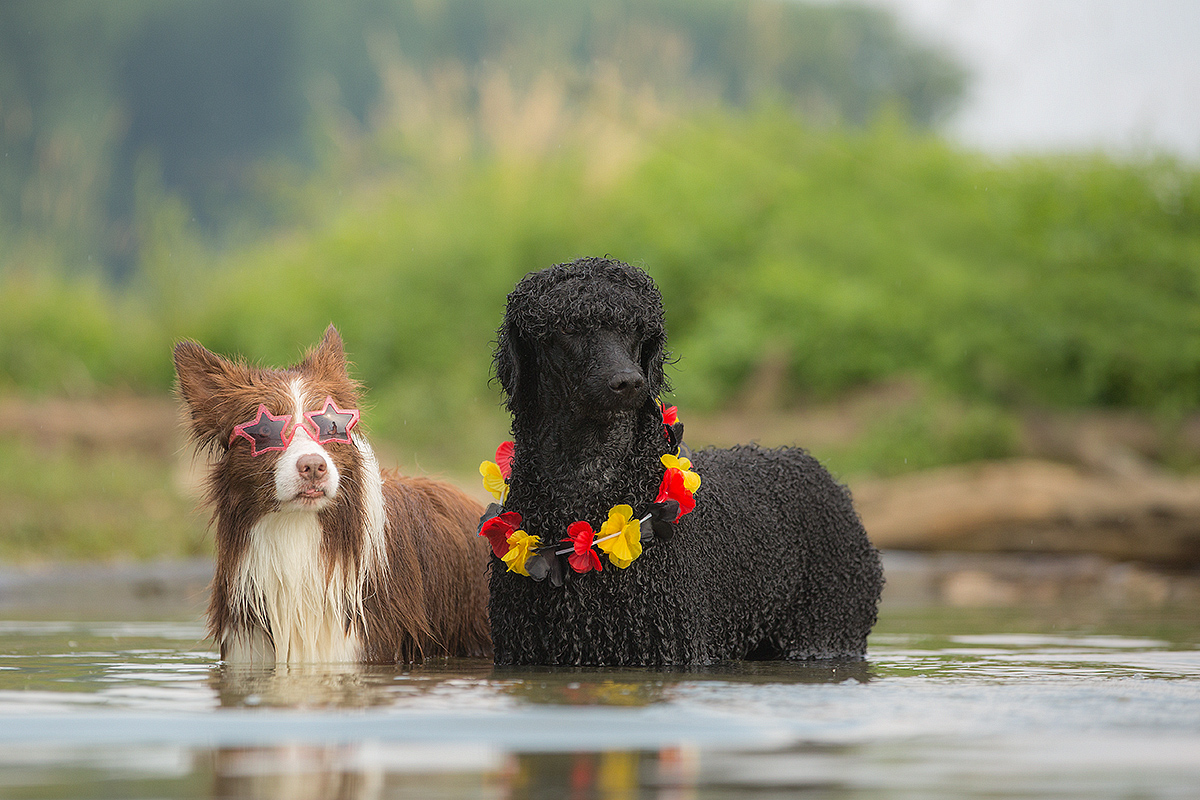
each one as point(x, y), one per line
point(309, 423)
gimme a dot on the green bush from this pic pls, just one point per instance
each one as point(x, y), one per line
point(853, 255)
point(929, 434)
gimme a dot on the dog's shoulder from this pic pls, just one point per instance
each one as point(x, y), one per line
point(774, 470)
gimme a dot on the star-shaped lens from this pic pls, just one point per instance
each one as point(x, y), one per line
point(333, 424)
point(265, 432)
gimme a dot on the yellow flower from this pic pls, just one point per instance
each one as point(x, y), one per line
point(691, 481)
point(493, 480)
point(520, 547)
point(624, 548)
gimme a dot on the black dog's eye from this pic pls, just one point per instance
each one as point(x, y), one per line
point(568, 330)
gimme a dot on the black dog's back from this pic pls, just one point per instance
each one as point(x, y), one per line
point(797, 576)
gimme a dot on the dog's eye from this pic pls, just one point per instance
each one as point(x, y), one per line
point(568, 330)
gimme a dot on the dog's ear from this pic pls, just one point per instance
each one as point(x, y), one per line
point(202, 375)
point(653, 356)
point(515, 366)
point(328, 358)
point(205, 383)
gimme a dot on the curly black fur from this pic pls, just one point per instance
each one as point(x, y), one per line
point(772, 563)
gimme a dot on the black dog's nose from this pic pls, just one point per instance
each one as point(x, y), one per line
point(626, 383)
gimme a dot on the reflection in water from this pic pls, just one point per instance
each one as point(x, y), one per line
point(297, 686)
point(337, 685)
point(953, 704)
point(367, 772)
point(581, 686)
point(324, 686)
point(294, 772)
point(666, 774)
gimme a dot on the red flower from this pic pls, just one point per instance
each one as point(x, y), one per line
point(673, 488)
point(670, 414)
point(584, 558)
point(498, 529)
point(504, 454)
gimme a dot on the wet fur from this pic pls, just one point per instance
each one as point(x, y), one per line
point(387, 570)
point(772, 563)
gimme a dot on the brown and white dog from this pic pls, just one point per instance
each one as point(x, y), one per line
point(320, 557)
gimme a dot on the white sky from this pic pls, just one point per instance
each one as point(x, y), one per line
point(1122, 75)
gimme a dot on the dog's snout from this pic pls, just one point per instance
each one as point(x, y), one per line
point(626, 383)
point(311, 466)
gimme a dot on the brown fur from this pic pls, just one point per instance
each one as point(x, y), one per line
point(428, 599)
point(437, 609)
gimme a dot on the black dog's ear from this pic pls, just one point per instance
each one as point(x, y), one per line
point(515, 365)
point(653, 357)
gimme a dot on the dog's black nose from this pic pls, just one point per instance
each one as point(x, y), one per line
point(626, 383)
point(311, 466)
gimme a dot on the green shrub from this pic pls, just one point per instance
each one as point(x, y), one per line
point(852, 255)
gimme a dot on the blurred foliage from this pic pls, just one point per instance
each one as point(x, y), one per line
point(1061, 280)
point(395, 167)
point(931, 432)
point(200, 91)
point(243, 173)
point(846, 257)
point(72, 503)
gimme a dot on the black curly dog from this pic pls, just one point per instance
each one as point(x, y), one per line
point(773, 563)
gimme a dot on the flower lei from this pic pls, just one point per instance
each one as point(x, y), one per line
point(620, 537)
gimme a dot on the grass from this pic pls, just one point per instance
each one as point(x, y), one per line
point(69, 503)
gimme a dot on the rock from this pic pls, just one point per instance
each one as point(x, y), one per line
point(1080, 586)
point(1037, 506)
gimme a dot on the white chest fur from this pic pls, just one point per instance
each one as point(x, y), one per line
point(284, 584)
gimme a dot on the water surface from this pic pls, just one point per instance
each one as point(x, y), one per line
point(950, 703)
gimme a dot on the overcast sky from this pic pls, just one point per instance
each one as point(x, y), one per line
point(1123, 75)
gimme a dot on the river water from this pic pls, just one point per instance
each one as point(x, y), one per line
point(1080, 698)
